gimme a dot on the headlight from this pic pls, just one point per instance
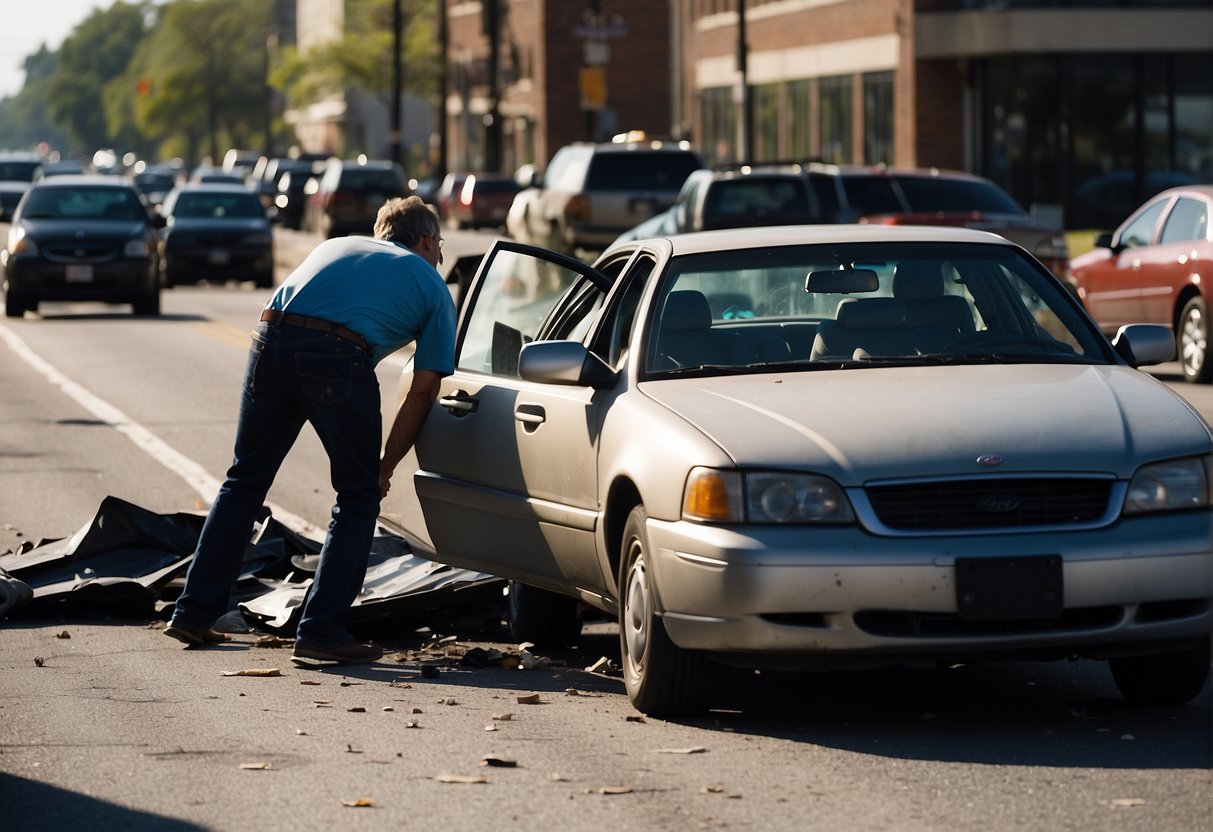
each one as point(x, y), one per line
point(136, 248)
point(1169, 486)
point(19, 245)
point(764, 497)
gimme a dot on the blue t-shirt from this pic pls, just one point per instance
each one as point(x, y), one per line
point(381, 290)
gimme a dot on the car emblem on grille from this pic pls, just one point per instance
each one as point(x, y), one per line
point(998, 503)
point(989, 460)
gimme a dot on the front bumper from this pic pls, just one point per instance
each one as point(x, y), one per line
point(114, 281)
point(838, 596)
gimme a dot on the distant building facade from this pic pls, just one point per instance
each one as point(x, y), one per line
point(1090, 105)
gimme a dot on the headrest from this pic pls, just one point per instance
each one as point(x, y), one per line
point(871, 313)
point(686, 310)
point(917, 280)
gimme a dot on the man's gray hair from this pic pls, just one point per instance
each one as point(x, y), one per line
point(406, 220)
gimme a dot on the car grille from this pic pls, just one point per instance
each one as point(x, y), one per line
point(998, 503)
point(82, 252)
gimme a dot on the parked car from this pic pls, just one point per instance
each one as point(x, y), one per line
point(483, 201)
point(216, 233)
point(350, 194)
point(447, 192)
point(931, 196)
point(17, 171)
point(81, 238)
point(269, 172)
point(820, 447)
point(207, 175)
point(1157, 267)
point(591, 193)
point(735, 197)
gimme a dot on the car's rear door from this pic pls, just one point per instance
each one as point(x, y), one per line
point(496, 487)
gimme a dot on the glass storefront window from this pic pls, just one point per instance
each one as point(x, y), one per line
point(766, 122)
point(799, 107)
point(878, 118)
point(719, 118)
point(835, 97)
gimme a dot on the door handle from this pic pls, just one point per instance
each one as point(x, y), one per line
point(459, 403)
point(531, 415)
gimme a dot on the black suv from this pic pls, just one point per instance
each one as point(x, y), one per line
point(350, 194)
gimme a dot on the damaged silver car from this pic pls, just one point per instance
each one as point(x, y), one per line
point(818, 447)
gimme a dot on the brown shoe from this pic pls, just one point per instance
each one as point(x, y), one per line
point(351, 652)
point(194, 638)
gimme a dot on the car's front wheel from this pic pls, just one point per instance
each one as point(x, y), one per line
point(543, 618)
point(1163, 678)
point(661, 678)
point(1193, 342)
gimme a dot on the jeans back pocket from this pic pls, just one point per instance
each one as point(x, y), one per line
point(326, 378)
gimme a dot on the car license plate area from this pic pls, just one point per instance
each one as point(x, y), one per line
point(78, 273)
point(1009, 589)
point(218, 257)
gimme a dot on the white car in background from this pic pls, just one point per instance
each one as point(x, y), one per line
point(818, 447)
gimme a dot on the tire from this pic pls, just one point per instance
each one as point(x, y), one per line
point(14, 306)
point(546, 619)
point(1162, 678)
point(148, 303)
point(661, 678)
point(1192, 342)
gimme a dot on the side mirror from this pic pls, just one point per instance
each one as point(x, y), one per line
point(564, 362)
point(1144, 344)
point(1104, 240)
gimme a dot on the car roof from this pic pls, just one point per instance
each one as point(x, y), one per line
point(1204, 190)
point(76, 180)
point(216, 187)
point(700, 242)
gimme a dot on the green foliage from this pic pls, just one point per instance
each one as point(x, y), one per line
point(24, 121)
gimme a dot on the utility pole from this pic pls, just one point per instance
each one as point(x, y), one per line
point(492, 119)
point(746, 151)
point(444, 48)
point(395, 133)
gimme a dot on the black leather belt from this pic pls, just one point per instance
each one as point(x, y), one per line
point(276, 316)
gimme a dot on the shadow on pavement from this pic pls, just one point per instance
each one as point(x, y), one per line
point(30, 805)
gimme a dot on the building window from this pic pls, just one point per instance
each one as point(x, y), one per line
point(878, 117)
point(766, 123)
point(800, 146)
point(719, 116)
point(836, 119)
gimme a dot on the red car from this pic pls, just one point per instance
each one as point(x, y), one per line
point(1156, 268)
point(482, 200)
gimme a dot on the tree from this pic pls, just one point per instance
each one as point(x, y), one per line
point(24, 121)
point(362, 57)
point(202, 72)
point(96, 52)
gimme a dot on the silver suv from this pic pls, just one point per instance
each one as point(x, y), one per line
point(591, 193)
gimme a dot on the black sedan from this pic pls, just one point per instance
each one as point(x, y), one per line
point(88, 238)
point(216, 233)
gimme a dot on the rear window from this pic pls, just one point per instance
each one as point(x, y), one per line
point(493, 187)
point(218, 206)
point(928, 193)
point(12, 171)
point(754, 201)
point(641, 171)
point(363, 179)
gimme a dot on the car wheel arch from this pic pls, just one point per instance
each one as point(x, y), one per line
point(1181, 300)
point(622, 498)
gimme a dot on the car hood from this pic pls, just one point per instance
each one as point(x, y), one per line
point(99, 229)
point(885, 423)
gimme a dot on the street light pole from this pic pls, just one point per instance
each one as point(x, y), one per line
point(397, 81)
point(747, 105)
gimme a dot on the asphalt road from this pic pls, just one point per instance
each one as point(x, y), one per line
point(110, 724)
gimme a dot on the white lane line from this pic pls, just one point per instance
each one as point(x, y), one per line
point(194, 474)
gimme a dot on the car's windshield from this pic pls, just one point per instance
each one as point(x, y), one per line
point(858, 305)
point(89, 203)
point(218, 206)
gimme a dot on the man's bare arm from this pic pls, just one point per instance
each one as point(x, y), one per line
point(407, 424)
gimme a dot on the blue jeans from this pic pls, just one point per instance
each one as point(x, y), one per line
point(295, 375)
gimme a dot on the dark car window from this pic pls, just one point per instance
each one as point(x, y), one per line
point(1140, 232)
point(359, 179)
point(872, 195)
point(755, 200)
point(148, 182)
point(83, 203)
point(929, 193)
point(218, 206)
point(1189, 220)
point(640, 171)
point(12, 171)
